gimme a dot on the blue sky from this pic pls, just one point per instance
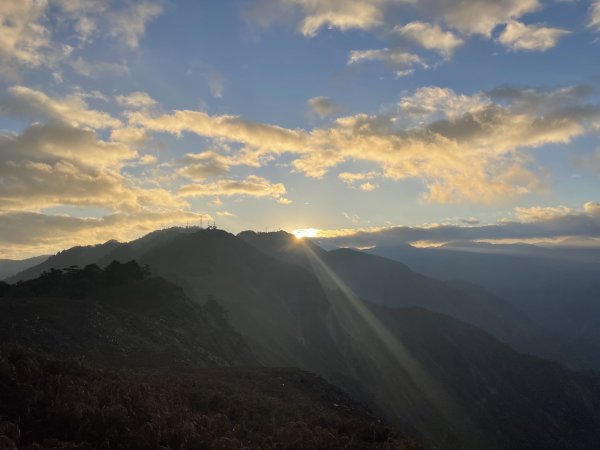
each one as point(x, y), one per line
point(121, 117)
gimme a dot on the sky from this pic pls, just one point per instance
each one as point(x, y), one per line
point(470, 118)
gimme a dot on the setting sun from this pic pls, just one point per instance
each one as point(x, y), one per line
point(305, 233)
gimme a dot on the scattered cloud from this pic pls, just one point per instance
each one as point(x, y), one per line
point(71, 109)
point(216, 83)
point(464, 148)
point(129, 24)
point(23, 37)
point(518, 36)
point(594, 16)
point(542, 213)
point(401, 61)
point(98, 69)
point(58, 164)
point(136, 100)
point(468, 17)
point(353, 177)
point(430, 37)
point(252, 186)
point(27, 38)
point(203, 165)
point(322, 106)
point(437, 102)
point(367, 186)
point(226, 214)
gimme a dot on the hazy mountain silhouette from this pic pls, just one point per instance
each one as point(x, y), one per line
point(10, 267)
point(118, 316)
point(386, 282)
point(297, 305)
point(559, 287)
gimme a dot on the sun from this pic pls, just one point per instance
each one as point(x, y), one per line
point(305, 233)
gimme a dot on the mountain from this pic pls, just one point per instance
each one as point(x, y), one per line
point(118, 316)
point(559, 287)
point(50, 404)
point(390, 283)
point(431, 375)
point(10, 267)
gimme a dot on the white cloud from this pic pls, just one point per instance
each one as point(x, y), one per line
point(404, 62)
point(441, 103)
point(136, 100)
point(27, 39)
point(518, 36)
point(129, 24)
point(594, 16)
point(367, 186)
point(72, 109)
point(253, 186)
point(467, 16)
point(466, 148)
point(23, 36)
point(430, 37)
point(206, 164)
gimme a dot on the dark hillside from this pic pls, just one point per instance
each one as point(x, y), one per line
point(118, 316)
point(48, 404)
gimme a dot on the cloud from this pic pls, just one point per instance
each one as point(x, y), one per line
point(24, 234)
point(58, 164)
point(27, 38)
point(542, 213)
point(367, 186)
point(473, 148)
point(404, 62)
point(98, 69)
point(433, 101)
point(322, 106)
point(594, 16)
point(540, 223)
point(203, 165)
point(253, 186)
point(430, 37)
point(136, 137)
point(129, 24)
point(216, 83)
point(23, 37)
point(315, 15)
point(353, 177)
point(467, 16)
point(479, 16)
point(136, 100)
point(518, 36)
point(72, 109)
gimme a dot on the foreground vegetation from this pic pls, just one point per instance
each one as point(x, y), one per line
point(47, 403)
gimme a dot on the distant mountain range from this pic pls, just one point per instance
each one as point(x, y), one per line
point(412, 347)
point(10, 267)
point(559, 287)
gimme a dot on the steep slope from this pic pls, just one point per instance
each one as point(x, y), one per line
point(390, 283)
point(113, 317)
point(51, 404)
point(10, 267)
